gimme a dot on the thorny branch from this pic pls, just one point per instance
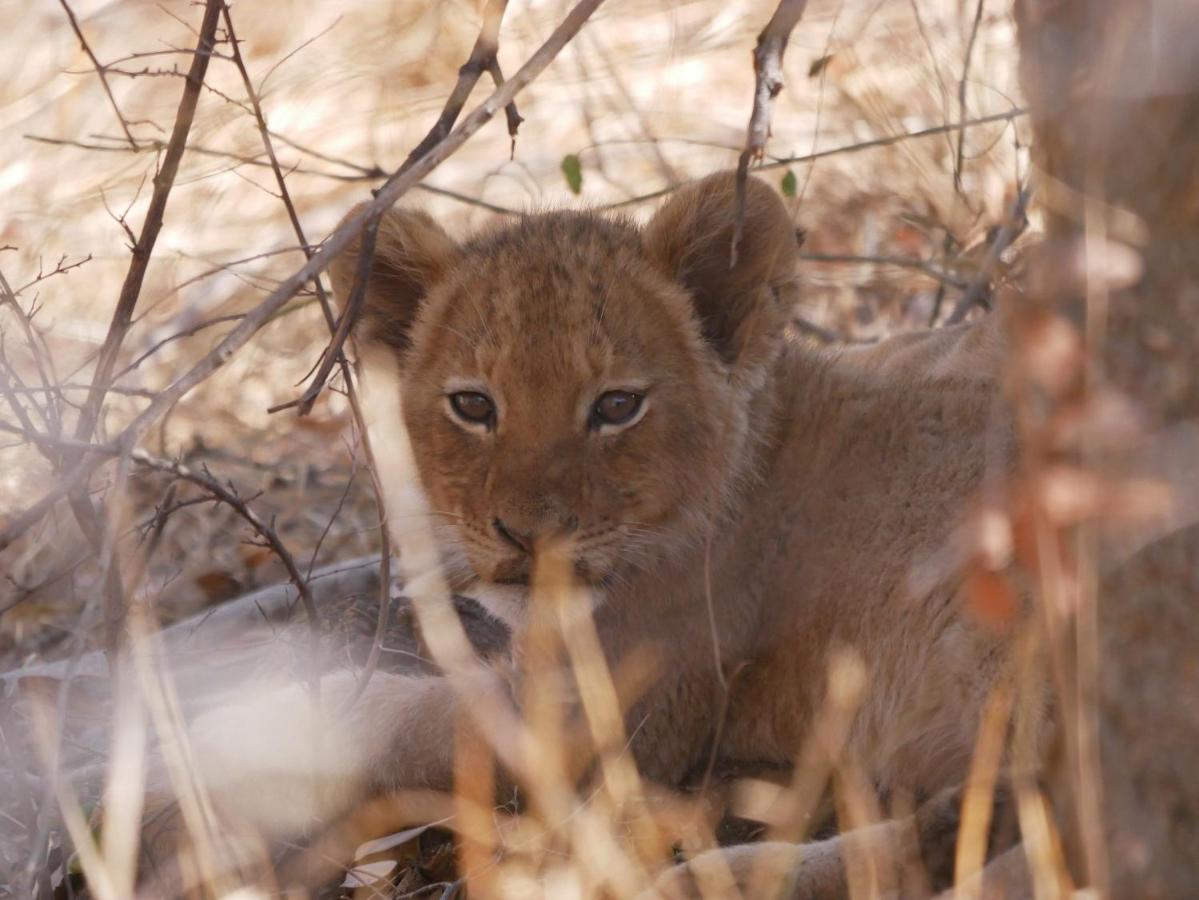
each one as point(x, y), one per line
point(333, 245)
point(225, 493)
point(1006, 234)
point(101, 71)
point(768, 82)
point(917, 265)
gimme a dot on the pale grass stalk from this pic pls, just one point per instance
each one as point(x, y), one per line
point(977, 802)
point(593, 838)
point(871, 855)
point(1087, 767)
point(1038, 832)
point(596, 847)
point(125, 783)
point(124, 790)
point(474, 799)
point(155, 694)
point(598, 694)
point(91, 861)
point(408, 516)
point(546, 698)
point(1042, 845)
point(195, 806)
point(823, 746)
point(847, 682)
point(713, 877)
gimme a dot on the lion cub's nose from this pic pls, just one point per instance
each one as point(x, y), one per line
point(522, 542)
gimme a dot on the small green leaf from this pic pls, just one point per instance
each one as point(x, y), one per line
point(789, 184)
point(572, 169)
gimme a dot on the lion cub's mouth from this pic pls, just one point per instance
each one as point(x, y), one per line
point(518, 573)
point(516, 578)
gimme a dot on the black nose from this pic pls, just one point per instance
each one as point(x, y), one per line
point(522, 542)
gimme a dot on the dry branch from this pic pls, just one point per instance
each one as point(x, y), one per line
point(768, 82)
point(101, 72)
point(333, 245)
point(979, 286)
point(142, 251)
point(351, 393)
point(959, 157)
point(164, 181)
point(482, 58)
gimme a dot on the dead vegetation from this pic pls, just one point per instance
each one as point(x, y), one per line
point(161, 306)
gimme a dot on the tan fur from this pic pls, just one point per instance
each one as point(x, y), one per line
point(809, 484)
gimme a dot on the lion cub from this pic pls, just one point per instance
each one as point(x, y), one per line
point(745, 506)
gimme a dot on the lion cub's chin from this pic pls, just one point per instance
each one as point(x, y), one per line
point(509, 603)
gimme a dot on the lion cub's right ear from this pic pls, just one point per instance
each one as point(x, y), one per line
point(412, 253)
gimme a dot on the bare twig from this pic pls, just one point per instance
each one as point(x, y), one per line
point(327, 309)
point(482, 59)
point(872, 144)
point(358, 172)
point(53, 398)
point(979, 287)
point(228, 495)
point(960, 154)
point(225, 493)
point(366, 253)
point(101, 71)
point(333, 245)
point(902, 262)
point(61, 267)
point(768, 81)
point(669, 175)
point(164, 180)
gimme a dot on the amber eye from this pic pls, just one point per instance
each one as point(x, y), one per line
point(615, 408)
point(473, 407)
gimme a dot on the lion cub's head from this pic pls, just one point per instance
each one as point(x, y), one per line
point(568, 375)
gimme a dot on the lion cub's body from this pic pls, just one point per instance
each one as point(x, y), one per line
point(783, 499)
point(766, 503)
point(843, 544)
point(843, 541)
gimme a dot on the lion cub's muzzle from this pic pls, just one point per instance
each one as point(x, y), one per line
point(525, 549)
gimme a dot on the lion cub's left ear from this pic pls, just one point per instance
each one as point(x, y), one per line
point(412, 253)
point(740, 307)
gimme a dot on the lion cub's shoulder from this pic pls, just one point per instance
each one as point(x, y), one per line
point(972, 352)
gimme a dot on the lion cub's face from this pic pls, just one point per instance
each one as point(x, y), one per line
point(569, 377)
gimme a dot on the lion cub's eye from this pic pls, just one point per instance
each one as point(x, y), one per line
point(473, 407)
point(615, 408)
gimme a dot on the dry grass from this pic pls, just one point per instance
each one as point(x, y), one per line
point(647, 97)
